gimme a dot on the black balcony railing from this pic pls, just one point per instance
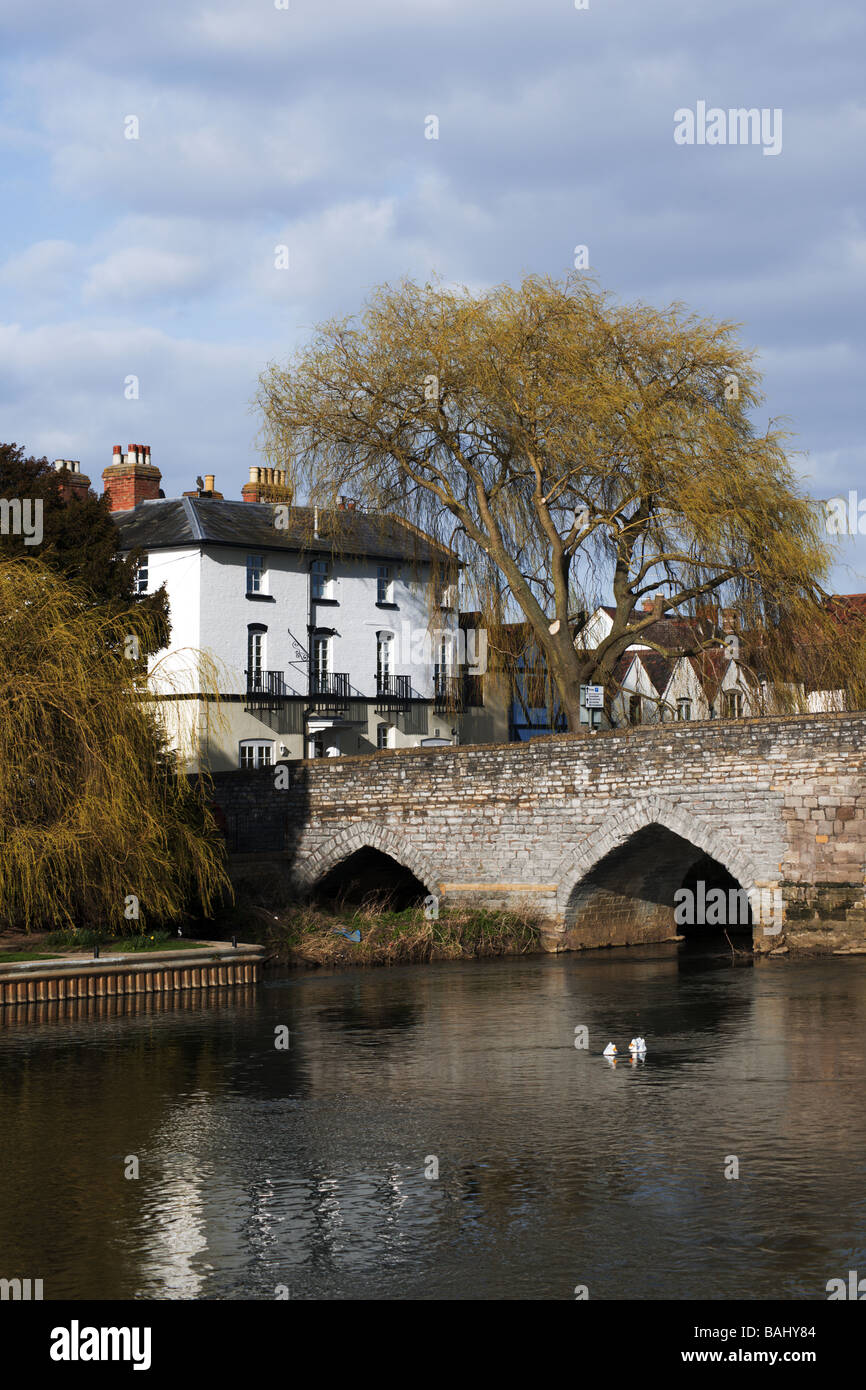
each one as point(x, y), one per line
point(329, 692)
point(266, 690)
point(393, 693)
point(447, 693)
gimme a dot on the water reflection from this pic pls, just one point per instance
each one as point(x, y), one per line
point(307, 1167)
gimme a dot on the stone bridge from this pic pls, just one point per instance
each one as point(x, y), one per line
point(593, 832)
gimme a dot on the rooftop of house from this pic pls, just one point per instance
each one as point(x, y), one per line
point(679, 635)
point(169, 523)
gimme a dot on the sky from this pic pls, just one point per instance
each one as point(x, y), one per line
point(154, 156)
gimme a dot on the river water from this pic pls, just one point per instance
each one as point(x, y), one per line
point(304, 1170)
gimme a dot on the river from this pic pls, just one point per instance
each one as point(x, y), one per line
point(310, 1171)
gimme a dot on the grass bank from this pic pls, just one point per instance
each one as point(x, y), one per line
point(312, 936)
point(71, 942)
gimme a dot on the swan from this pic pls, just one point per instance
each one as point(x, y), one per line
point(610, 1050)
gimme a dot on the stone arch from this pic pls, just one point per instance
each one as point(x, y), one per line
point(366, 835)
point(620, 825)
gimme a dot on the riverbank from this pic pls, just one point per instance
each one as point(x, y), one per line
point(42, 979)
point(316, 936)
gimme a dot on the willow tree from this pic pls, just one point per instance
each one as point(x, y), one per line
point(96, 827)
point(569, 450)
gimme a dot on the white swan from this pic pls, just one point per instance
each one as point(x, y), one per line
point(610, 1050)
point(637, 1046)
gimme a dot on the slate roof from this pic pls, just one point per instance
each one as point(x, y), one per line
point(168, 523)
point(680, 635)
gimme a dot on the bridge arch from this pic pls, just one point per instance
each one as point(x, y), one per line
point(366, 835)
point(630, 867)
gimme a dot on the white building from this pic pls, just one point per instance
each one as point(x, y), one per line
point(327, 633)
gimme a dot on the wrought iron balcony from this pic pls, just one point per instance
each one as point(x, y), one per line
point(266, 690)
point(447, 693)
point(329, 693)
point(393, 693)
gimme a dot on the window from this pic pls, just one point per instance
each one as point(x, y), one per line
point(634, 709)
point(317, 747)
point(733, 704)
point(383, 734)
point(321, 662)
point(447, 595)
point(140, 581)
point(383, 658)
point(384, 585)
point(320, 583)
point(255, 574)
point(440, 664)
point(255, 652)
point(684, 709)
point(256, 752)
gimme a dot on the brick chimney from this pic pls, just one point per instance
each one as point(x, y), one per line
point(205, 487)
point(72, 482)
point(131, 478)
point(267, 485)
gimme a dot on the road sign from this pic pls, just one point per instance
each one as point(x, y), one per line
point(595, 697)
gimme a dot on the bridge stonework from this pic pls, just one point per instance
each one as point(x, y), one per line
point(594, 833)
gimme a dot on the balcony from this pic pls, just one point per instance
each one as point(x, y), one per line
point(447, 694)
point(329, 692)
point(266, 690)
point(393, 694)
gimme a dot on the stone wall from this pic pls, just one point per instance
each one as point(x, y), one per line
point(595, 831)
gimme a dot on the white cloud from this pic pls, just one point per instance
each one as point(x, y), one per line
point(138, 271)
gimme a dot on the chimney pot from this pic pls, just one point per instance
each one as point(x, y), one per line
point(647, 605)
point(209, 482)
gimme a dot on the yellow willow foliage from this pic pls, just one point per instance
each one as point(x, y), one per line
point(566, 449)
point(92, 812)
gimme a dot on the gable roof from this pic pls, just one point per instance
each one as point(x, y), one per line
point(679, 635)
point(169, 522)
